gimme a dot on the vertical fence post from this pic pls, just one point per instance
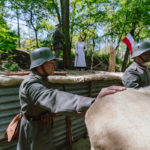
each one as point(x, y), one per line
point(69, 132)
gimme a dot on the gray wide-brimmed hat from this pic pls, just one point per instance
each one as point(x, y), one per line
point(39, 56)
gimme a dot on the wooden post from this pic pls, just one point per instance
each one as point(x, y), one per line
point(112, 60)
point(92, 59)
point(68, 123)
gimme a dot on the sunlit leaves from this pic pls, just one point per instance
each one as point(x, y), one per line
point(8, 39)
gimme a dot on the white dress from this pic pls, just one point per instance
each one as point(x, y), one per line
point(80, 54)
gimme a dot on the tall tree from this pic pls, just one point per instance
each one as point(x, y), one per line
point(65, 25)
point(18, 27)
point(32, 13)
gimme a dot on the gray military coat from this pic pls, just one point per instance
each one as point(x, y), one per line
point(136, 76)
point(58, 38)
point(35, 99)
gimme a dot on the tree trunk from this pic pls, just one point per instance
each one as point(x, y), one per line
point(57, 11)
point(34, 28)
point(36, 38)
point(65, 26)
point(112, 59)
point(18, 28)
point(92, 61)
point(125, 61)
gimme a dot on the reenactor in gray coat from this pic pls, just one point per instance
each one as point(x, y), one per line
point(137, 75)
point(58, 39)
point(39, 104)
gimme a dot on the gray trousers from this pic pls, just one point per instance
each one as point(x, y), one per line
point(57, 52)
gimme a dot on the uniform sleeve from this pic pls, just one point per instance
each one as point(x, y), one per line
point(57, 101)
point(131, 79)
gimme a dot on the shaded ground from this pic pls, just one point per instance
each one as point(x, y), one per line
point(82, 144)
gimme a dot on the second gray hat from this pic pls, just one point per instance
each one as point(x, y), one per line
point(140, 48)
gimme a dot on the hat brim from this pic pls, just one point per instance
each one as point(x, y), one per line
point(39, 62)
point(139, 53)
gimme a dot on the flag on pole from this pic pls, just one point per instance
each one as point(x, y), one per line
point(129, 41)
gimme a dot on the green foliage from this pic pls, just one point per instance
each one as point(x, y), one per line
point(113, 19)
point(119, 61)
point(11, 66)
point(8, 38)
point(45, 43)
point(148, 65)
point(105, 57)
point(28, 44)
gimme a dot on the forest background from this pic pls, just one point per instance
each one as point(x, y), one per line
point(28, 24)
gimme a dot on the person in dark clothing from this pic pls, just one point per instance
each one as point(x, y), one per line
point(137, 75)
point(39, 103)
point(58, 43)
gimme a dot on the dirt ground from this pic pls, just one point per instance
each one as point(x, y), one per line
point(81, 144)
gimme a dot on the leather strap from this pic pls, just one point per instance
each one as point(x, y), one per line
point(46, 116)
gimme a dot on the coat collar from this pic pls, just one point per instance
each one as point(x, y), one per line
point(137, 65)
point(37, 75)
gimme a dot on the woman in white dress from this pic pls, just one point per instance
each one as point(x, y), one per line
point(80, 54)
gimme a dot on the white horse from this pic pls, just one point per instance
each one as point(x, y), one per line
point(120, 121)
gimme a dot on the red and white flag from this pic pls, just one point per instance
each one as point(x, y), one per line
point(129, 41)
